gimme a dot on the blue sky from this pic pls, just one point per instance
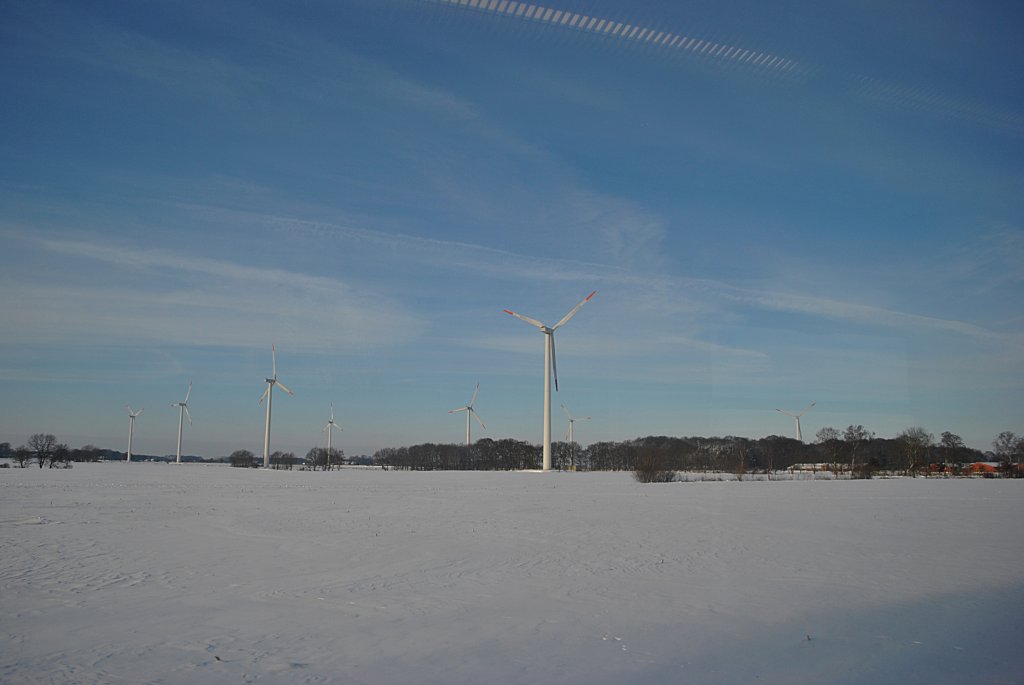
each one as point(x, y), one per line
point(776, 204)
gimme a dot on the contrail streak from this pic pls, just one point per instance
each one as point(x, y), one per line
point(866, 87)
point(632, 32)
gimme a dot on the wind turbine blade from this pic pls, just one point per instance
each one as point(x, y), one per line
point(566, 410)
point(273, 361)
point(188, 392)
point(332, 412)
point(809, 407)
point(572, 313)
point(456, 411)
point(554, 364)
point(282, 386)
point(783, 411)
point(141, 409)
point(264, 395)
point(187, 414)
point(477, 417)
point(472, 401)
point(326, 427)
point(532, 322)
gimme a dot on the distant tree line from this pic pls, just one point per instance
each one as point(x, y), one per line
point(486, 454)
point(44, 450)
point(854, 450)
point(317, 459)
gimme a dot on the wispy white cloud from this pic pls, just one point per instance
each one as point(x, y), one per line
point(991, 262)
point(667, 290)
point(939, 104)
point(178, 298)
point(852, 312)
point(129, 53)
point(605, 346)
point(210, 73)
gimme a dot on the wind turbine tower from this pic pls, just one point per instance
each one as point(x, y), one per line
point(269, 394)
point(182, 413)
point(470, 411)
point(799, 435)
point(331, 425)
point(131, 431)
point(550, 367)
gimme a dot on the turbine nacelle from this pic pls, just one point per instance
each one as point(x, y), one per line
point(331, 423)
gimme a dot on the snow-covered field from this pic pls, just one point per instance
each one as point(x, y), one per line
point(151, 573)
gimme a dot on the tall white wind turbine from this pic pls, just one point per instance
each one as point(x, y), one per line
point(799, 435)
point(131, 431)
point(331, 425)
point(550, 367)
point(269, 394)
point(470, 411)
point(182, 413)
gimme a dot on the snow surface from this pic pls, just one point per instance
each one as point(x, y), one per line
point(152, 573)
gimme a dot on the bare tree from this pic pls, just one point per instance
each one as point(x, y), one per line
point(316, 458)
point(953, 448)
point(242, 459)
point(282, 460)
point(1009, 449)
point(830, 440)
point(951, 441)
point(855, 437)
point(42, 446)
point(22, 455)
point(649, 467)
point(61, 455)
point(916, 441)
point(277, 460)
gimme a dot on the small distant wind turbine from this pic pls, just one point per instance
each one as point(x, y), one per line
point(269, 394)
point(569, 436)
point(799, 435)
point(470, 411)
point(131, 430)
point(182, 413)
point(331, 425)
point(550, 366)
point(572, 420)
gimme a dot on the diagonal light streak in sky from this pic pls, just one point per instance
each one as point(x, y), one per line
point(632, 32)
point(865, 86)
